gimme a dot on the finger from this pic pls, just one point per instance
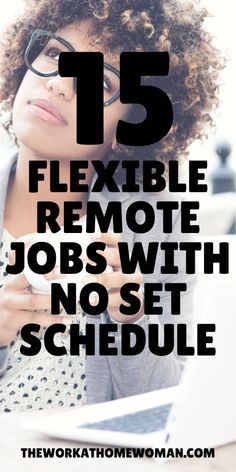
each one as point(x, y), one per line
point(17, 282)
point(114, 308)
point(115, 299)
point(30, 301)
point(110, 238)
point(112, 256)
point(28, 240)
point(55, 274)
point(137, 294)
point(94, 298)
point(112, 280)
point(43, 319)
point(11, 257)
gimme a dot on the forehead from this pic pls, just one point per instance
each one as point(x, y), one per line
point(80, 36)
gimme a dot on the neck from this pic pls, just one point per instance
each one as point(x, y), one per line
point(21, 203)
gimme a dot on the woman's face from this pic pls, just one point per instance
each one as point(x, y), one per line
point(51, 139)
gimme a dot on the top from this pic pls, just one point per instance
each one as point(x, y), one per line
point(110, 377)
point(41, 381)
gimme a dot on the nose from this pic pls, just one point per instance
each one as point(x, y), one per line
point(61, 86)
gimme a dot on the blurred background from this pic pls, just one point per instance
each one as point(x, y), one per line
point(218, 213)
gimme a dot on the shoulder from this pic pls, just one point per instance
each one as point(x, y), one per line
point(6, 165)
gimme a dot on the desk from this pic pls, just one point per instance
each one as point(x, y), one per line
point(13, 438)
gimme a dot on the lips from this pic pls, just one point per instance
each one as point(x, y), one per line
point(46, 111)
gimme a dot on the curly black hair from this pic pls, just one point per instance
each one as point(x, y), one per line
point(133, 25)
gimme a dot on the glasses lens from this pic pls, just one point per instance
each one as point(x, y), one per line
point(43, 53)
point(111, 84)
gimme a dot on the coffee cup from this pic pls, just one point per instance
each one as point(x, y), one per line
point(38, 282)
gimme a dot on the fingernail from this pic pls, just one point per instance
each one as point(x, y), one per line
point(89, 279)
point(67, 321)
point(93, 298)
point(96, 235)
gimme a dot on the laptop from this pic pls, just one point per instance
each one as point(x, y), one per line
point(200, 412)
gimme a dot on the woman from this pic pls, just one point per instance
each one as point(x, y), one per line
point(43, 120)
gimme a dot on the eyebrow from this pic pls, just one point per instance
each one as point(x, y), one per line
point(112, 59)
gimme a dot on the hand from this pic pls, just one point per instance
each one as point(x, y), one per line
point(19, 306)
point(114, 280)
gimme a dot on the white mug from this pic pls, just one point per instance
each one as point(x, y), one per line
point(38, 282)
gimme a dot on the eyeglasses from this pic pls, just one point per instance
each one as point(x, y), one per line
point(42, 55)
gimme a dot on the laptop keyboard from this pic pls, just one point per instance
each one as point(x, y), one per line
point(144, 421)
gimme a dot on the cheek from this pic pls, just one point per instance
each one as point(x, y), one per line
point(112, 114)
point(21, 98)
point(109, 130)
point(27, 85)
point(17, 113)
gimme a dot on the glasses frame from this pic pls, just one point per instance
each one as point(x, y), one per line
point(39, 32)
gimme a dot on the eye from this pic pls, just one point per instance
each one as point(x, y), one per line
point(52, 52)
point(107, 84)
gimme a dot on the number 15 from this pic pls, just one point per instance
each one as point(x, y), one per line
point(87, 67)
